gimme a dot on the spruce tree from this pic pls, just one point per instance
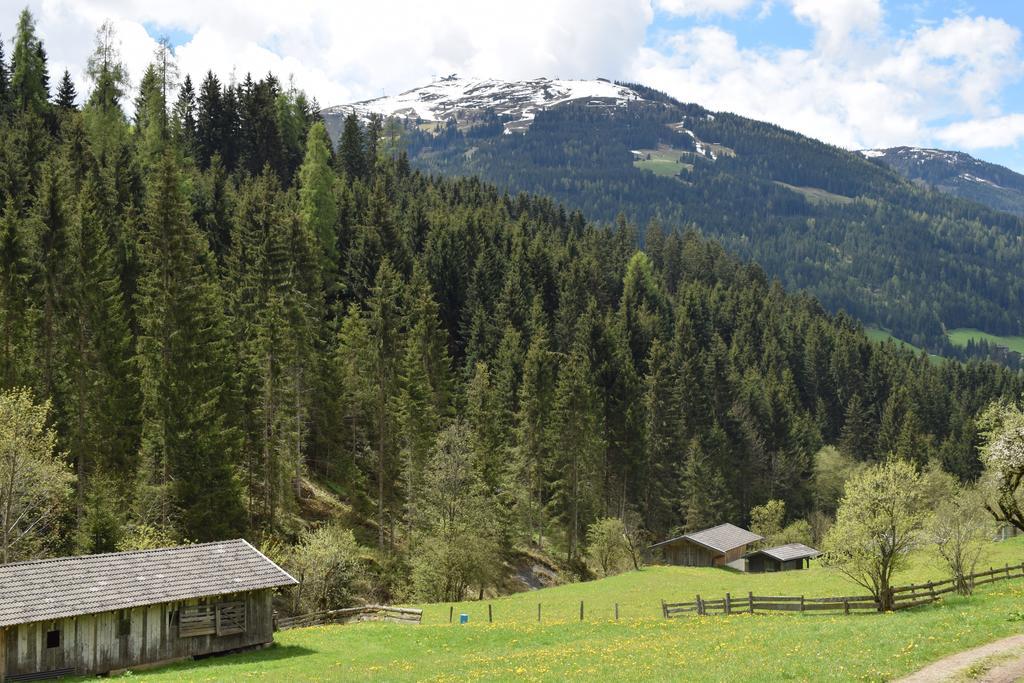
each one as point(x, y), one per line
point(189, 441)
point(184, 119)
point(5, 83)
point(351, 150)
point(319, 202)
point(210, 129)
point(384, 316)
point(66, 94)
point(577, 443)
point(28, 68)
point(101, 389)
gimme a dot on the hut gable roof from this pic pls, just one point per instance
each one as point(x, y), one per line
point(70, 586)
point(785, 553)
point(721, 538)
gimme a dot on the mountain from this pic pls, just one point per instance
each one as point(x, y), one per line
point(851, 231)
point(957, 173)
point(466, 99)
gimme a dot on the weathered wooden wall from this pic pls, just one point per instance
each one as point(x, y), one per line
point(91, 644)
point(688, 554)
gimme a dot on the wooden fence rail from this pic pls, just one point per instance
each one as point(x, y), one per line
point(400, 615)
point(902, 597)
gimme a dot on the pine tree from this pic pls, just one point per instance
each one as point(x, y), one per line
point(661, 439)
point(536, 395)
point(351, 151)
point(105, 120)
point(184, 119)
point(5, 84)
point(319, 200)
point(101, 391)
point(858, 438)
point(66, 94)
point(384, 316)
point(52, 218)
point(706, 499)
point(578, 445)
point(189, 442)
point(210, 121)
point(28, 68)
point(17, 338)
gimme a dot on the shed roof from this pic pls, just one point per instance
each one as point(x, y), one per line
point(721, 538)
point(790, 551)
point(70, 586)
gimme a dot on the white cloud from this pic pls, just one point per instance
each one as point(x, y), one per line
point(703, 8)
point(999, 131)
point(339, 51)
point(854, 87)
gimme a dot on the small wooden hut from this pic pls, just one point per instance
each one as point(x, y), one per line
point(781, 558)
point(100, 613)
point(724, 544)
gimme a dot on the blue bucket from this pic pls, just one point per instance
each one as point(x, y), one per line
point(463, 618)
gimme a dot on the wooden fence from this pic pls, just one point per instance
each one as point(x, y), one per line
point(400, 615)
point(902, 597)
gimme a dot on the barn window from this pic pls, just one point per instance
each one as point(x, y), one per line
point(124, 626)
point(197, 620)
point(230, 618)
point(52, 639)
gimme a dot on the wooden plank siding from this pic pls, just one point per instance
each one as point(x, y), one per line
point(687, 554)
point(123, 639)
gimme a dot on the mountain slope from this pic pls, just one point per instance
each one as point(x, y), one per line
point(852, 232)
point(957, 173)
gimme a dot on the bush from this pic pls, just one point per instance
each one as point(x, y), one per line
point(608, 550)
point(329, 566)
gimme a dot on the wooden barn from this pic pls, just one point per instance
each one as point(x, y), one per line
point(100, 613)
point(722, 545)
point(781, 558)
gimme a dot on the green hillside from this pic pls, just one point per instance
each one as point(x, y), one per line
point(642, 645)
point(852, 232)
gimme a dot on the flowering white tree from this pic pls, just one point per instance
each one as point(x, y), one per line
point(1003, 454)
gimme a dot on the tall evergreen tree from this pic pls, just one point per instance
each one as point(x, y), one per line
point(351, 149)
point(29, 79)
point(66, 94)
point(189, 441)
point(319, 202)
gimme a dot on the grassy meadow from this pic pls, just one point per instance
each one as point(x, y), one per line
point(960, 337)
point(641, 645)
point(664, 161)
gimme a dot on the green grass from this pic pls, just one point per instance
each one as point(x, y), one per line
point(877, 334)
point(663, 161)
point(641, 646)
point(816, 195)
point(960, 337)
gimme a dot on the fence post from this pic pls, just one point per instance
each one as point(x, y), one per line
point(664, 610)
point(728, 603)
point(750, 596)
point(700, 605)
point(846, 606)
point(538, 612)
point(616, 611)
point(451, 613)
point(581, 610)
point(801, 603)
point(1007, 570)
point(490, 617)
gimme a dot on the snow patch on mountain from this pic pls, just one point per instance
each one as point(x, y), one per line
point(454, 96)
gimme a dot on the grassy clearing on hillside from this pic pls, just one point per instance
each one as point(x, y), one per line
point(960, 337)
point(663, 161)
point(877, 334)
point(642, 646)
point(816, 195)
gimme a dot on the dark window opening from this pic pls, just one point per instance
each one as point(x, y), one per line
point(52, 639)
point(124, 627)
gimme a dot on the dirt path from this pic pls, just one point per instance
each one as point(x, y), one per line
point(950, 667)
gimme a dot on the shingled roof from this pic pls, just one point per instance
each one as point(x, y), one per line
point(69, 586)
point(721, 538)
point(790, 551)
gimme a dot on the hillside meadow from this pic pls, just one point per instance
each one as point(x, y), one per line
point(641, 645)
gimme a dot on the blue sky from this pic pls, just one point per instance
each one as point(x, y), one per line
point(855, 73)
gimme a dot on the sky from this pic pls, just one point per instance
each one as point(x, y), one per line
point(855, 73)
